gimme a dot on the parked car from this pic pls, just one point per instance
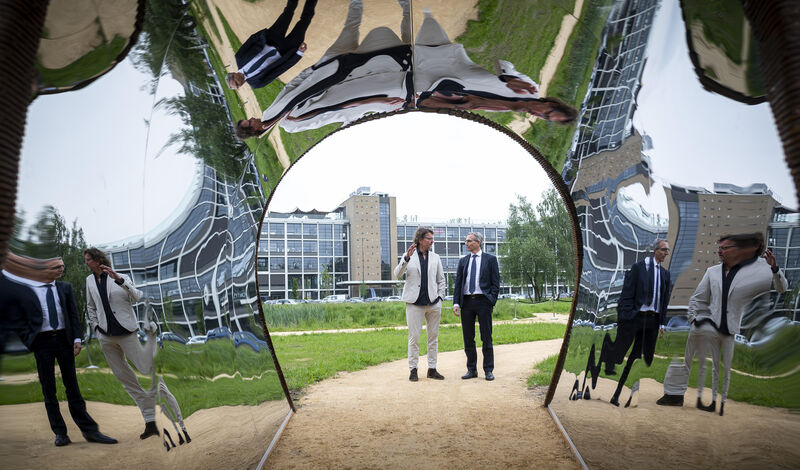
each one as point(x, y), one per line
point(248, 338)
point(285, 302)
point(765, 333)
point(678, 323)
point(355, 300)
point(219, 332)
point(448, 297)
point(170, 336)
point(393, 298)
point(335, 298)
point(741, 339)
point(373, 299)
point(197, 339)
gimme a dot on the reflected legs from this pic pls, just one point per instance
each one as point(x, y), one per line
point(348, 39)
point(117, 350)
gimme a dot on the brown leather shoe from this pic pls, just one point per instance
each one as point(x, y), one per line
point(433, 374)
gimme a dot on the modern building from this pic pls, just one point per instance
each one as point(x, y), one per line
point(353, 249)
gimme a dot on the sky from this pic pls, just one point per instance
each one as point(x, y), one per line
point(438, 167)
point(700, 137)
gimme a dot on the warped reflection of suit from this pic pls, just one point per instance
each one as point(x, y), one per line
point(641, 311)
point(705, 316)
point(22, 313)
point(119, 346)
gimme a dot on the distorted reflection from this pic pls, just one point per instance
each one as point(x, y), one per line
point(270, 52)
point(674, 272)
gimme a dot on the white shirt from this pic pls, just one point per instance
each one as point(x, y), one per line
point(652, 307)
point(40, 289)
point(477, 274)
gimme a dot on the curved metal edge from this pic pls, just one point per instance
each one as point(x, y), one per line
point(274, 441)
point(567, 438)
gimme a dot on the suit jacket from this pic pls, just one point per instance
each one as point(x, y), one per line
point(751, 281)
point(637, 291)
point(21, 312)
point(488, 280)
point(253, 46)
point(119, 298)
point(437, 285)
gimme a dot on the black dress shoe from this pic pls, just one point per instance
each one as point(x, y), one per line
point(186, 434)
point(150, 429)
point(471, 374)
point(670, 400)
point(98, 437)
point(433, 374)
point(413, 376)
point(615, 400)
point(489, 376)
point(62, 440)
point(721, 408)
point(710, 408)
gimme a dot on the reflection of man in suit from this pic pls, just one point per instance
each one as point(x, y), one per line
point(423, 293)
point(42, 311)
point(270, 52)
point(641, 311)
point(111, 316)
point(715, 313)
point(475, 293)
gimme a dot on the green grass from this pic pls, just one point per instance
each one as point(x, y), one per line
point(780, 356)
point(522, 33)
point(543, 372)
point(571, 81)
point(90, 65)
point(306, 359)
point(304, 317)
point(202, 12)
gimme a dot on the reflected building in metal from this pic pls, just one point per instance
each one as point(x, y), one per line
point(198, 272)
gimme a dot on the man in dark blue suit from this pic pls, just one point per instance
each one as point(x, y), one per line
point(43, 313)
point(641, 312)
point(270, 52)
point(475, 293)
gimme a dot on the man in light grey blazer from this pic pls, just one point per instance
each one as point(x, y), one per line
point(423, 294)
point(715, 313)
point(112, 318)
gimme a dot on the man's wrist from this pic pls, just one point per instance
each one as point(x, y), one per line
point(775, 269)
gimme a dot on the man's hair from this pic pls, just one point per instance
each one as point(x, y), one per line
point(478, 237)
point(657, 243)
point(746, 240)
point(230, 79)
point(246, 132)
point(97, 255)
point(420, 234)
point(568, 111)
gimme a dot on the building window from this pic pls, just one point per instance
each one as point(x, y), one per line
point(309, 230)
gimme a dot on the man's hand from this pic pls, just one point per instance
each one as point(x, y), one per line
point(456, 310)
point(302, 47)
point(111, 273)
point(521, 86)
point(76, 348)
point(661, 333)
point(410, 251)
point(770, 259)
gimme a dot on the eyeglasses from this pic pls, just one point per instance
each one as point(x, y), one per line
point(469, 240)
point(429, 238)
point(725, 247)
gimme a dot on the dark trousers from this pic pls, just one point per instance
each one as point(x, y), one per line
point(277, 32)
point(48, 348)
point(642, 331)
point(480, 307)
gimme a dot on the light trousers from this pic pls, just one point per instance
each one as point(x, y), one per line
point(701, 339)
point(118, 351)
point(415, 315)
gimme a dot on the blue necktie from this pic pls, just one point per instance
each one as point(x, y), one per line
point(52, 313)
point(472, 275)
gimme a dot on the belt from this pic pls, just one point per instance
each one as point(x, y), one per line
point(60, 332)
point(473, 296)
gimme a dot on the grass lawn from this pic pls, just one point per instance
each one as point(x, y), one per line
point(778, 357)
point(571, 80)
point(304, 317)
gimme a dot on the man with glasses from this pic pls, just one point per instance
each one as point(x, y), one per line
point(423, 293)
point(641, 313)
point(475, 293)
point(726, 291)
point(43, 312)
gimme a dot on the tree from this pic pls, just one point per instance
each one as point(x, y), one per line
point(538, 247)
point(325, 282)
